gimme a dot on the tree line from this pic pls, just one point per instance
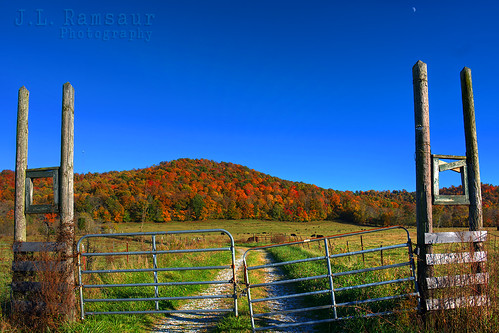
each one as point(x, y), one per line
point(200, 189)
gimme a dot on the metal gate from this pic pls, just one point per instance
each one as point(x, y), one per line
point(148, 245)
point(328, 289)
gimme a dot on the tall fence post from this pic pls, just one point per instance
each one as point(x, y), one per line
point(475, 193)
point(424, 218)
point(474, 185)
point(21, 164)
point(67, 193)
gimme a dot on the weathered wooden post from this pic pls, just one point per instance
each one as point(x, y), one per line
point(66, 234)
point(21, 164)
point(424, 218)
point(425, 181)
point(22, 291)
point(474, 184)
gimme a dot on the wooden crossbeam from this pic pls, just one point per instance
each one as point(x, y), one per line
point(454, 166)
point(451, 200)
point(25, 286)
point(25, 306)
point(37, 266)
point(37, 247)
point(28, 286)
point(455, 237)
point(449, 157)
point(458, 302)
point(457, 280)
point(455, 258)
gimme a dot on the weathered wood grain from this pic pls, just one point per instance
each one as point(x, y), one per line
point(455, 258)
point(38, 266)
point(475, 209)
point(21, 164)
point(454, 166)
point(66, 174)
point(457, 280)
point(424, 218)
point(450, 200)
point(459, 302)
point(37, 247)
point(455, 237)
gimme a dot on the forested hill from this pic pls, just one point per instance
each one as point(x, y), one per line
point(187, 189)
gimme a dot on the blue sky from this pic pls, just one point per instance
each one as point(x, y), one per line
point(312, 91)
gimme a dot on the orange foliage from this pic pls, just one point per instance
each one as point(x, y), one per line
point(200, 189)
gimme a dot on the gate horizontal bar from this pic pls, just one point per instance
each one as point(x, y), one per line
point(331, 256)
point(374, 284)
point(156, 269)
point(147, 299)
point(378, 249)
point(317, 277)
point(286, 263)
point(158, 311)
point(97, 254)
point(160, 284)
point(370, 300)
point(335, 289)
point(291, 296)
point(371, 269)
point(322, 307)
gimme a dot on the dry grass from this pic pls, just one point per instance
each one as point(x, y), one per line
point(46, 306)
point(483, 318)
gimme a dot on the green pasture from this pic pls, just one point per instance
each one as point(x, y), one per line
point(265, 232)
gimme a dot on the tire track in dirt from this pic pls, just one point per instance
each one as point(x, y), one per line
point(204, 322)
point(274, 274)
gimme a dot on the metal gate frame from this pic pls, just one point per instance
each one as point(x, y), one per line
point(330, 275)
point(154, 252)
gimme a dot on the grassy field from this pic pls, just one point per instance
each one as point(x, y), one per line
point(244, 229)
point(246, 233)
point(471, 319)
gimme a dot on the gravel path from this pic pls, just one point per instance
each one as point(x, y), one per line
point(186, 322)
point(189, 322)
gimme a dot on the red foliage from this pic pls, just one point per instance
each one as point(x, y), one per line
point(187, 189)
